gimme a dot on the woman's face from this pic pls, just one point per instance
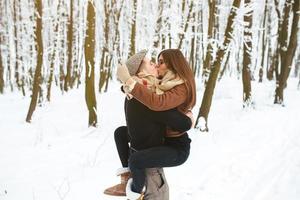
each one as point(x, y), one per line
point(161, 66)
point(149, 67)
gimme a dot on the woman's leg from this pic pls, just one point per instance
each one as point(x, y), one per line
point(122, 144)
point(162, 156)
point(122, 140)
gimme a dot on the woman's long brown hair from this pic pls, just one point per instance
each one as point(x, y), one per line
point(176, 62)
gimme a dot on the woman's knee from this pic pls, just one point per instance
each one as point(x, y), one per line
point(121, 133)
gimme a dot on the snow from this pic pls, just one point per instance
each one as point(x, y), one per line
point(248, 154)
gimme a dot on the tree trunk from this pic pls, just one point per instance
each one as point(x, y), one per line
point(158, 27)
point(16, 39)
point(49, 84)
point(37, 74)
point(282, 42)
point(297, 64)
point(1, 67)
point(209, 48)
point(89, 49)
point(209, 90)
point(113, 13)
point(67, 82)
point(1, 64)
point(263, 46)
point(186, 24)
point(247, 56)
point(133, 29)
point(105, 47)
point(288, 55)
point(193, 41)
point(224, 67)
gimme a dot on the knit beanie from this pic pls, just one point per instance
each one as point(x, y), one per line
point(133, 63)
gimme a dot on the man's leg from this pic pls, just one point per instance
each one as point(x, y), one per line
point(156, 185)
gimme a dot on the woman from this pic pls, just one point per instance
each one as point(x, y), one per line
point(176, 148)
point(146, 128)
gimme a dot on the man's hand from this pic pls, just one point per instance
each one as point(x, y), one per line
point(123, 73)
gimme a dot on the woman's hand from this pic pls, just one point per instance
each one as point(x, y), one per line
point(123, 73)
point(190, 115)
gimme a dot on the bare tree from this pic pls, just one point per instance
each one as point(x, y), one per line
point(263, 46)
point(133, 29)
point(89, 49)
point(37, 74)
point(247, 54)
point(283, 22)
point(16, 39)
point(53, 53)
point(186, 23)
point(209, 48)
point(158, 28)
point(111, 41)
point(67, 82)
point(209, 90)
point(1, 66)
point(193, 44)
point(287, 54)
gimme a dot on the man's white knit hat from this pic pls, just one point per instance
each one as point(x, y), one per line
point(133, 63)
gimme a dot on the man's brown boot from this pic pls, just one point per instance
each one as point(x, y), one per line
point(119, 189)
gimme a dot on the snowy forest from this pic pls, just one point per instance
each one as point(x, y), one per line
point(47, 44)
point(242, 51)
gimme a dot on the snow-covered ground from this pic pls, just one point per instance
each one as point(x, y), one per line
point(251, 154)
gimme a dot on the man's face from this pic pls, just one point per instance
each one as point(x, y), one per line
point(149, 67)
point(161, 66)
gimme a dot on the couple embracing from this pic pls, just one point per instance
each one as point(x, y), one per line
point(158, 103)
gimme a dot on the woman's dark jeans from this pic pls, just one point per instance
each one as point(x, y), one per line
point(122, 142)
point(174, 152)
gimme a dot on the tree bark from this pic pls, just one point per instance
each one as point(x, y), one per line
point(89, 49)
point(49, 84)
point(133, 29)
point(209, 48)
point(193, 41)
point(67, 82)
point(263, 46)
point(209, 90)
point(247, 56)
point(288, 55)
point(37, 74)
point(16, 39)
point(158, 27)
point(1, 66)
point(186, 24)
